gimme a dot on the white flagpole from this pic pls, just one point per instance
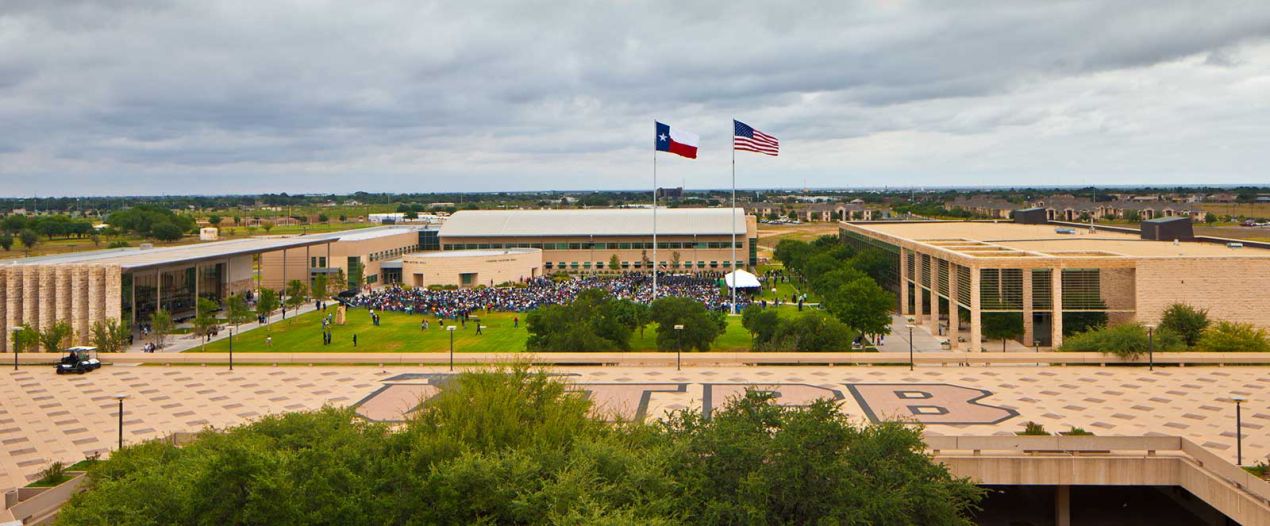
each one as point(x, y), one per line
point(734, 263)
point(655, 145)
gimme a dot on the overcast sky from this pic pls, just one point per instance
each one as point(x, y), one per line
point(205, 96)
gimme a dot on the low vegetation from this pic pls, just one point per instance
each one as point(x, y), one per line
point(1129, 341)
point(518, 447)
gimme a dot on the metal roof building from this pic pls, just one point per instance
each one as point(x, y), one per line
point(594, 222)
point(595, 240)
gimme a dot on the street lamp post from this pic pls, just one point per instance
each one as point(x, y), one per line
point(678, 346)
point(451, 329)
point(1150, 347)
point(910, 345)
point(120, 397)
point(1239, 429)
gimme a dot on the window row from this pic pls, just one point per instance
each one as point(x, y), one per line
point(393, 253)
point(561, 265)
point(671, 245)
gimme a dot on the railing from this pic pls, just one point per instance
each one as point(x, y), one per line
point(945, 358)
point(1135, 460)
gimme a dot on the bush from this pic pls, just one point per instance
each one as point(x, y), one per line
point(1185, 321)
point(1225, 336)
point(1033, 429)
point(1126, 341)
point(52, 475)
point(810, 332)
point(519, 447)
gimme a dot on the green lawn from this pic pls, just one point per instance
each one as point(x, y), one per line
point(398, 332)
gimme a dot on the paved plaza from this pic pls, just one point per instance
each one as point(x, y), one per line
point(45, 417)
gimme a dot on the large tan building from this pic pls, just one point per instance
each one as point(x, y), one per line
point(470, 268)
point(359, 254)
point(128, 284)
point(688, 239)
point(1028, 269)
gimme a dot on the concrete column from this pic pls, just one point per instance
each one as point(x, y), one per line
point(1056, 320)
point(976, 312)
point(96, 289)
point(31, 296)
point(1028, 334)
point(63, 280)
point(12, 301)
point(954, 314)
point(905, 310)
point(918, 301)
point(113, 293)
point(79, 300)
point(1063, 505)
point(934, 296)
point(48, 296)
point(4, 312)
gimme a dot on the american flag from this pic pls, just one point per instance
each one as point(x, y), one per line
point(748, 139)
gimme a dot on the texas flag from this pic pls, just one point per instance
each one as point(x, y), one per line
point(676, 141)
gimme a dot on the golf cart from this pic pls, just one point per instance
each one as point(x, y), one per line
point(78, 360)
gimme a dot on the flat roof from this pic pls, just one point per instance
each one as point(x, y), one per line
point(362, 234)
point(594, 222)
point(135, 258)
point(471, 253)
point(1013, 240)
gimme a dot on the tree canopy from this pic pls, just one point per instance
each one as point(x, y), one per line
point(701, 326)
point(1185, 321)
point(593, 321)
point(519, 447)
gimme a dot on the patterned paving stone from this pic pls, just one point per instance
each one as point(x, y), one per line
point(1108, 401)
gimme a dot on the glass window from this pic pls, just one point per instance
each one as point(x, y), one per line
point(575, 246)
point(547, 264)
point(714, 264)
point(624, 246)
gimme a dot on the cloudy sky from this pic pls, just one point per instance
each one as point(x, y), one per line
point(207, 96)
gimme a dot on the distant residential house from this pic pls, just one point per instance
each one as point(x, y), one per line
point(984, 206)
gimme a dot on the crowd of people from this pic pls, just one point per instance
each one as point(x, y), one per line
point(540, 292)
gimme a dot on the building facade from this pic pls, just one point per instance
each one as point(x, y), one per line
point(1053, 277)
point(688, 239)
point(471, 268)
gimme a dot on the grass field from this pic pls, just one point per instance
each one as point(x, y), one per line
point(399, 332)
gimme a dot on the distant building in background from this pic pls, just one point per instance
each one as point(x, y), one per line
point(670, 193)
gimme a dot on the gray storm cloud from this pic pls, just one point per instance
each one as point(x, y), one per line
point(237, 96)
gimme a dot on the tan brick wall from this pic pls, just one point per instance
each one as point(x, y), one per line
point(48, 296)
point(1231, 289)
point(1117, 287)
point(4, 310)
point(79, 299)
point(31, 296)
point(423, 270)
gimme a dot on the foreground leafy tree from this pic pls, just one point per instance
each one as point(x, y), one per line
point(1003, 326)
point(755, 462)
point(110, 335)
point(519, 447)
point(1185, 321)
point(862, 305)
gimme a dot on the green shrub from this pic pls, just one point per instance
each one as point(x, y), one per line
point(1185, 321)
point(52, 475)
point(1126, 341)
point(1033, 429)
point(1226, 336)
point(1076, 431)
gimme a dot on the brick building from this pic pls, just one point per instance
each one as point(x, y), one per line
point(1027, 269)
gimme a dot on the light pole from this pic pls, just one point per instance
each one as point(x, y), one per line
point(910, 345)
point(678, 346)
point(120, 397)
point(451, 329)
point(1239, 429)
point(1150, 346)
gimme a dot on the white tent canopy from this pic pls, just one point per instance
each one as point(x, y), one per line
point(743, 280)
